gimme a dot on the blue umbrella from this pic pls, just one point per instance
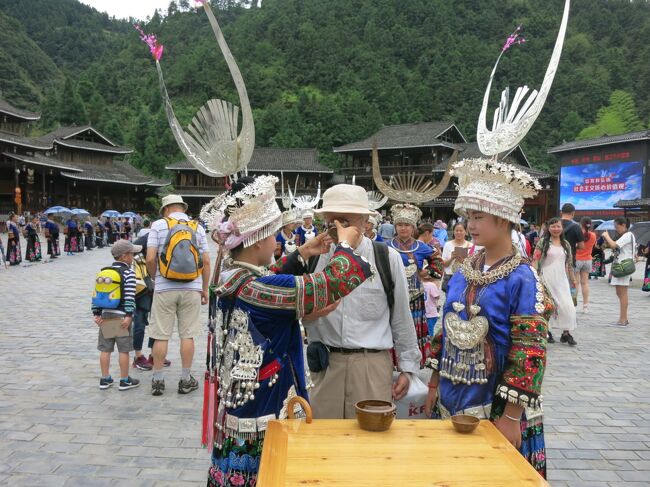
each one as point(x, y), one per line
point(129, 214)
point(56, 210)
point(607, 225)
point(111, 214)
point(79, 211)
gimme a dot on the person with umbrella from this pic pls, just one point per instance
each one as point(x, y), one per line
point(51, 230)
point(71, 244)
point(89, 234)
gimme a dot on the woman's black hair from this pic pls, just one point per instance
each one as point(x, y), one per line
point(621, 220)
point(462, 224)
point(585, 222)
point(546, 239)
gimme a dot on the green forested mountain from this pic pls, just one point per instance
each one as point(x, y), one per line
point(321, 73)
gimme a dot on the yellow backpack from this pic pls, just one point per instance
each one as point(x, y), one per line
point(143, 281)
point(180, 259)
point(108, 288)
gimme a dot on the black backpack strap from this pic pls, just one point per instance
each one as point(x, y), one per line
point(312, 263)
point(383, 267)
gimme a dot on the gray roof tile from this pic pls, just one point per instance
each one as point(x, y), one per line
point(8, 108)
point(423, 134)
point(275, 159)
point(607, 140)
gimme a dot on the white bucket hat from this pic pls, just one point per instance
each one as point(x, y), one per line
point(345, 198)
point(172, 199)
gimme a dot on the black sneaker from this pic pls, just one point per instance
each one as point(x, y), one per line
point(128, 383)
point(157, 387)
point(564, 338)
point(550, 338)
point(105, 383)
point(187, 386)
point(568, 338)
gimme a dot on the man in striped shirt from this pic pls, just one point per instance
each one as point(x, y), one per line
point(123, 252)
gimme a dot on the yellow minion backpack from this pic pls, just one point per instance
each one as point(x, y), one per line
point(109, 286)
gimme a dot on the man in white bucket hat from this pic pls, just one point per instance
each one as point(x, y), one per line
point(350, 343)
point(175, 300)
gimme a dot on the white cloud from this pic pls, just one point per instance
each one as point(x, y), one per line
point(123, 9)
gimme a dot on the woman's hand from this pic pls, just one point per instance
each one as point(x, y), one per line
point(430, 402)
point(510, 429)
point(318, 245)
point(322, 312)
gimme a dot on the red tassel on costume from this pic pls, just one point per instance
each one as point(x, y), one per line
point(204, 424)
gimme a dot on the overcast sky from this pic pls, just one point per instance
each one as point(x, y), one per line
point(123, 9)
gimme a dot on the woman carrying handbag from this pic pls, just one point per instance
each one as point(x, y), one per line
point(623, 266)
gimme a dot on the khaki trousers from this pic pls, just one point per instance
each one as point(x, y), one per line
point(351, 378)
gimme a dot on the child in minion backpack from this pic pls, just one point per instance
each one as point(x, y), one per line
point(114, 299)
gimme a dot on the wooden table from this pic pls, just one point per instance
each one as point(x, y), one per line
point(414, 453)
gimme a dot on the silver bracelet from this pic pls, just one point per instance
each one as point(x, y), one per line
point(511, 418)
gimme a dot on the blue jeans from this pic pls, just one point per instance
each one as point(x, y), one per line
point(140, 321)
point(431, 323)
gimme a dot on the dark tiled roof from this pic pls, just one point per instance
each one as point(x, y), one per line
point(6, 107)
point(638, 203)
point(275, 159)
point(424, 134)
point(94, 146)
point(23, 141)
point(118, 172)
point(198, 193)
point(470, 150)
point(607, 140)
point(41, 160)
point(62, 133)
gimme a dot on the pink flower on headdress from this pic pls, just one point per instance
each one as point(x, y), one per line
point(515, 38)
point(151, 41)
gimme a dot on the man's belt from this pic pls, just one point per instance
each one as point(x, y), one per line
point(353, 350)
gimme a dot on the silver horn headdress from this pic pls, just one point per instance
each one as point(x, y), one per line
point(490, 186)
point(410, 187)
point(211, 142)
point(511, 123)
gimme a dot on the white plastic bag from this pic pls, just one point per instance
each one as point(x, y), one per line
point(411, 406)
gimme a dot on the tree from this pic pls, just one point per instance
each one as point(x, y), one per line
point(618, 118)
point(71, 108)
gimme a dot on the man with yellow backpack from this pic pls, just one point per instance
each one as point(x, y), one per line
point(178, 257)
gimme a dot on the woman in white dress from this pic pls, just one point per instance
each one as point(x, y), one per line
point(625, 245)
point(552, 259)
point(452, 259)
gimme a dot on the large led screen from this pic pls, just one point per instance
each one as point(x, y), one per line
point(598, 186)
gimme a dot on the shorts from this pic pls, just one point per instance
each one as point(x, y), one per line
point(170, 307)
point(124, 344)
point(583, 265)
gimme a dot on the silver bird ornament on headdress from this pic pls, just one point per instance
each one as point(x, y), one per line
point(305, 202)
point(376, 200)
point(211, 142)
point(512, 121)
point(409, 187)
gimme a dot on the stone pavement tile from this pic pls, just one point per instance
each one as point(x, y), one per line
point(636, 476)
point(117, 471)
point(84, 482)
point(57, 446)
point(580, 483)
point(619, 455)
point(194, 475)
point(31, 467)
point(76, 470)
point(641, 465)
point(598, 475)
point(135, 483)
point(162, 473)
point(617, 465)
point(554, 474)
point(27, 480)
point(582, 454)
point(629, 445)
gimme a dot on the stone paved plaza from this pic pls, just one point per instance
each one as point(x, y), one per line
point(58, 429)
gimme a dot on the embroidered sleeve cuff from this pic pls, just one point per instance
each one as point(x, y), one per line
point(432, 363)
point(519, 397)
